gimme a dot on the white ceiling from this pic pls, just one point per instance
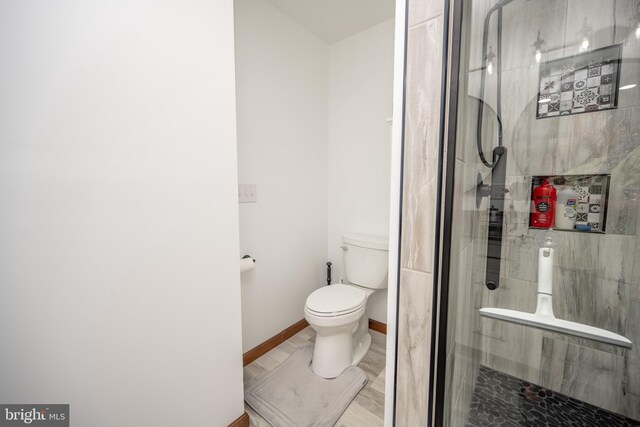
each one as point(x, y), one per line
point(333, 20)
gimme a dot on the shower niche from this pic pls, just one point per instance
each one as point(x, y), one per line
point(576, 203)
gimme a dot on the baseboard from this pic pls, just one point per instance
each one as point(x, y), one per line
point(374, 325)
point(242, 421)
point(273, 342)
point(284, 335)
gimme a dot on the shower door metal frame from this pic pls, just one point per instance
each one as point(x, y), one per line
point(449, 113)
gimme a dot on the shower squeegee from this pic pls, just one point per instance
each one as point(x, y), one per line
point(544, 318)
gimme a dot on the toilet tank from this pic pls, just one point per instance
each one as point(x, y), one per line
point(366, 260)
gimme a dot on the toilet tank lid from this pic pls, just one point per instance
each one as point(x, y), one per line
point(367, 241)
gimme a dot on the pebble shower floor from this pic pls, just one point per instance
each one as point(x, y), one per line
point(503, 400)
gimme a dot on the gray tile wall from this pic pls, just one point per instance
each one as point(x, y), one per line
point(596, 277)
point(422, 120)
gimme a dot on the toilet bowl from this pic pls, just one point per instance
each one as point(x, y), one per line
point(337, 313)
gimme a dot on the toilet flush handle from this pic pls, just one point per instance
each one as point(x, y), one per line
point(344, 248)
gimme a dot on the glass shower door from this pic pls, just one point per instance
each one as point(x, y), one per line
point(543, 289)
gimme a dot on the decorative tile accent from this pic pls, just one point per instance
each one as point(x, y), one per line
point(503, 400)
point(591, 206)
point(595, 189)
point(583, 208)
point(584, 83)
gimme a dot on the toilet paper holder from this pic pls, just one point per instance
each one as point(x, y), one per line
point(247, 263)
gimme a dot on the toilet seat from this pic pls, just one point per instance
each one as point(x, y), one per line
point(335, 300)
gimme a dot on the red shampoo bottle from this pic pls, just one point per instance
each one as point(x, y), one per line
point(543, 206)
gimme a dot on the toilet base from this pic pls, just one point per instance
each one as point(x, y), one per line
point(361, 348)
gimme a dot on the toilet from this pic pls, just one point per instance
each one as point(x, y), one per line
point(338, 313)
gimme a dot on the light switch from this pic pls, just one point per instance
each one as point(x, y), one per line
point(247, 193)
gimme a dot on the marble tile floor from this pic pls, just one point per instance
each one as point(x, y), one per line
point(366, 410)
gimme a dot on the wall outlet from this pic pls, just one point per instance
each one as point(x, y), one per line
point(247, 193)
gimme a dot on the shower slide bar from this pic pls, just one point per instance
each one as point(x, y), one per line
point(544, 318)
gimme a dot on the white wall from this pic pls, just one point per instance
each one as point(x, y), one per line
point(360, 101)
point(282, 96)
point(119, 284)
point(395, 200)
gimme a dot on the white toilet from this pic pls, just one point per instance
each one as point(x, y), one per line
point(338, 312)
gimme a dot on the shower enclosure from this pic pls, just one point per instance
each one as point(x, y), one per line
point(539, 309)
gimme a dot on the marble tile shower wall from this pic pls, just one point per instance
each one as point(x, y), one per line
point(596, 277)
point(422, 120)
